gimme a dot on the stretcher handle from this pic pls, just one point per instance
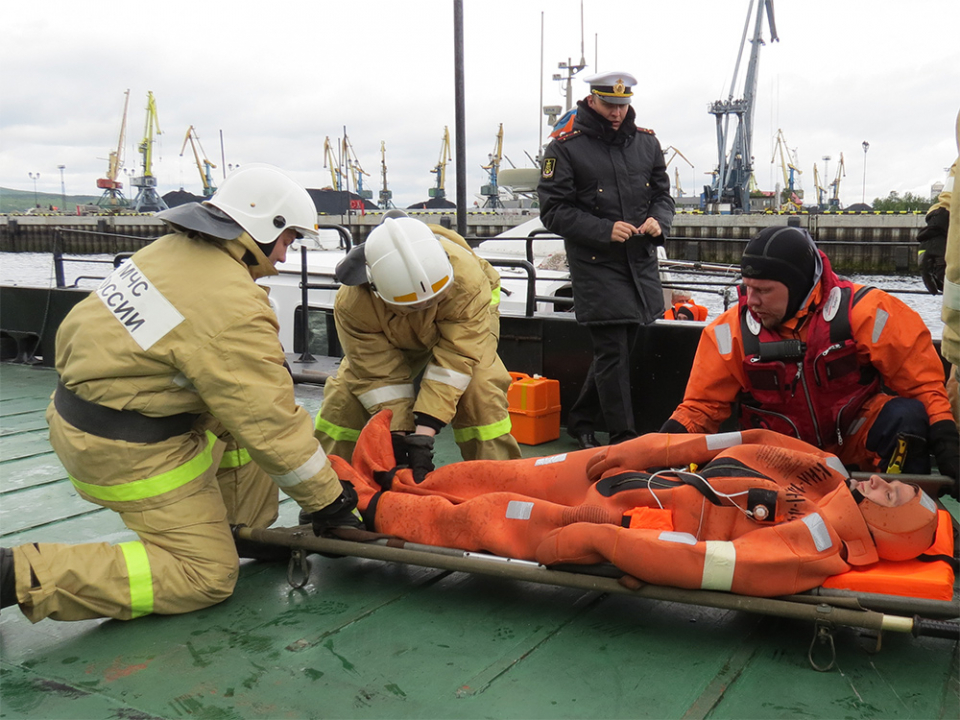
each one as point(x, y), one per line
point(947, 629)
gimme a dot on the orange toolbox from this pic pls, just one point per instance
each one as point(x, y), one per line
point(534, 408)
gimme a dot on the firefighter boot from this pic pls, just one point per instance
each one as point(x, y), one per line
point(8, 579)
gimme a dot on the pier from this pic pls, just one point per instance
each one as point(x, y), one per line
point(856, 243)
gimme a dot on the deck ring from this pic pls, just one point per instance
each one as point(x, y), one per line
point(822, 635)
point(298, 562)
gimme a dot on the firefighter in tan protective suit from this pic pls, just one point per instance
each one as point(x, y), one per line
point(175, 410)
point(416, 299)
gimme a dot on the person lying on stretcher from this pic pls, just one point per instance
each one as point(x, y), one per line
point(751, 512)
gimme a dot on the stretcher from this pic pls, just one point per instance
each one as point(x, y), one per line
point(914, 597)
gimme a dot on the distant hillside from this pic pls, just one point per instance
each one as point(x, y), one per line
point(13, 201)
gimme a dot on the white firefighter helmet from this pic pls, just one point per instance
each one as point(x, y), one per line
point(406, 264)
point(265, 201)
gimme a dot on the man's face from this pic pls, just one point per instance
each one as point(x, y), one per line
point(887, 494)
point(768, 299)
point(279, 252)
point(614, 113)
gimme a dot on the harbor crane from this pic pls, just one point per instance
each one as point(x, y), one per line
point(834, 203)
point(491, 191)
point(204, 165)
point(386, 196)
point(735, 168)
point(148, 199)
point(329, 161)
point(821, 191)
point(112, 198)
point(441, 168)
point(676, 153)
point(791, 197)
point(354, 169)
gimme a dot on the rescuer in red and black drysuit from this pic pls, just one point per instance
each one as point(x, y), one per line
point(763, 514)
point(845, 367)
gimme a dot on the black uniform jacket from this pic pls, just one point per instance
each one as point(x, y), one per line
point(591, 178)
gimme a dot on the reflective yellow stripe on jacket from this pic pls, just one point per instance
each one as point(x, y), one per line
point(152, 486)
point(235, 458)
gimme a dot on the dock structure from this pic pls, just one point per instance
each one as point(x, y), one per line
point(868, 242)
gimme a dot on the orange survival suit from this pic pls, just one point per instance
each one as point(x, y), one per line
point(764, 514)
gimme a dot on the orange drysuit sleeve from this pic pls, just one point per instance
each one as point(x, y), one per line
point(769, 561)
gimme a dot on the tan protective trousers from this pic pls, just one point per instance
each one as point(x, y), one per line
point(185, 558)
point(481, 406)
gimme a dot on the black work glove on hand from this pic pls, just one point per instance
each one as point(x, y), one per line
point(342, 512)
point(933, 249)
point(945, 444)
point(419, 455)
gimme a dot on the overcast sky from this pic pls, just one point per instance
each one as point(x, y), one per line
point(277, 78)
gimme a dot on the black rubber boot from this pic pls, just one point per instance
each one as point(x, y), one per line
point(8, 579)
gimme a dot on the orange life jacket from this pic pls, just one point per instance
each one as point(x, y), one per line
point(688, 310)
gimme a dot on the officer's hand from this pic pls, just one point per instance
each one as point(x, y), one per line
point(932, 250)
point(621, 231)
point(419, 455)
point(945, 444)
point(342, 512)
point(651, 227)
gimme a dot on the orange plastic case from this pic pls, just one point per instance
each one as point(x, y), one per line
point(534, 408)
point(910, 578)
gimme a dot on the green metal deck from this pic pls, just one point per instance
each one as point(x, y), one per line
point(366, 639)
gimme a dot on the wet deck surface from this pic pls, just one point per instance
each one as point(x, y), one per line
point(365, 639)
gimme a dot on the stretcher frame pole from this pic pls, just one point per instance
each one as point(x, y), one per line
point(303, 538)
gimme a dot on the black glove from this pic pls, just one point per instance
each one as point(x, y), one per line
point(399, 440)
point(945, 445)
point(933, 249)
point(342, 512)
point(673, 426)
point(419, 455)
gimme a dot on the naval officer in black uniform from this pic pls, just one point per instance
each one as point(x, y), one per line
point(604, 188)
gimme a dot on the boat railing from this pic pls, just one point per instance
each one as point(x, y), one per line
point(60, 259)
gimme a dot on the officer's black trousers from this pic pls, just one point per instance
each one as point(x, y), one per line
point(606, 392)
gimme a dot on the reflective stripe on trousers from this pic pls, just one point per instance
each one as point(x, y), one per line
point(336, 432)
point(141, 579)
point(483, 432)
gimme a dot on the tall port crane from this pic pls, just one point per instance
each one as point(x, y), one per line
point(354, 168)
point(835, 196)
point(791, 197)
point(441, 168)
point(734, 168)
point(204, 165)
point(147, 197)
point(821, 191)
point(329, 161)
point(112, 197)
point(491, 191)
point(676, 153)
point(386, 196)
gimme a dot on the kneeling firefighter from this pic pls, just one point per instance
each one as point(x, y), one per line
point(175, 410)
point(755, 513)
point(417, 302)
